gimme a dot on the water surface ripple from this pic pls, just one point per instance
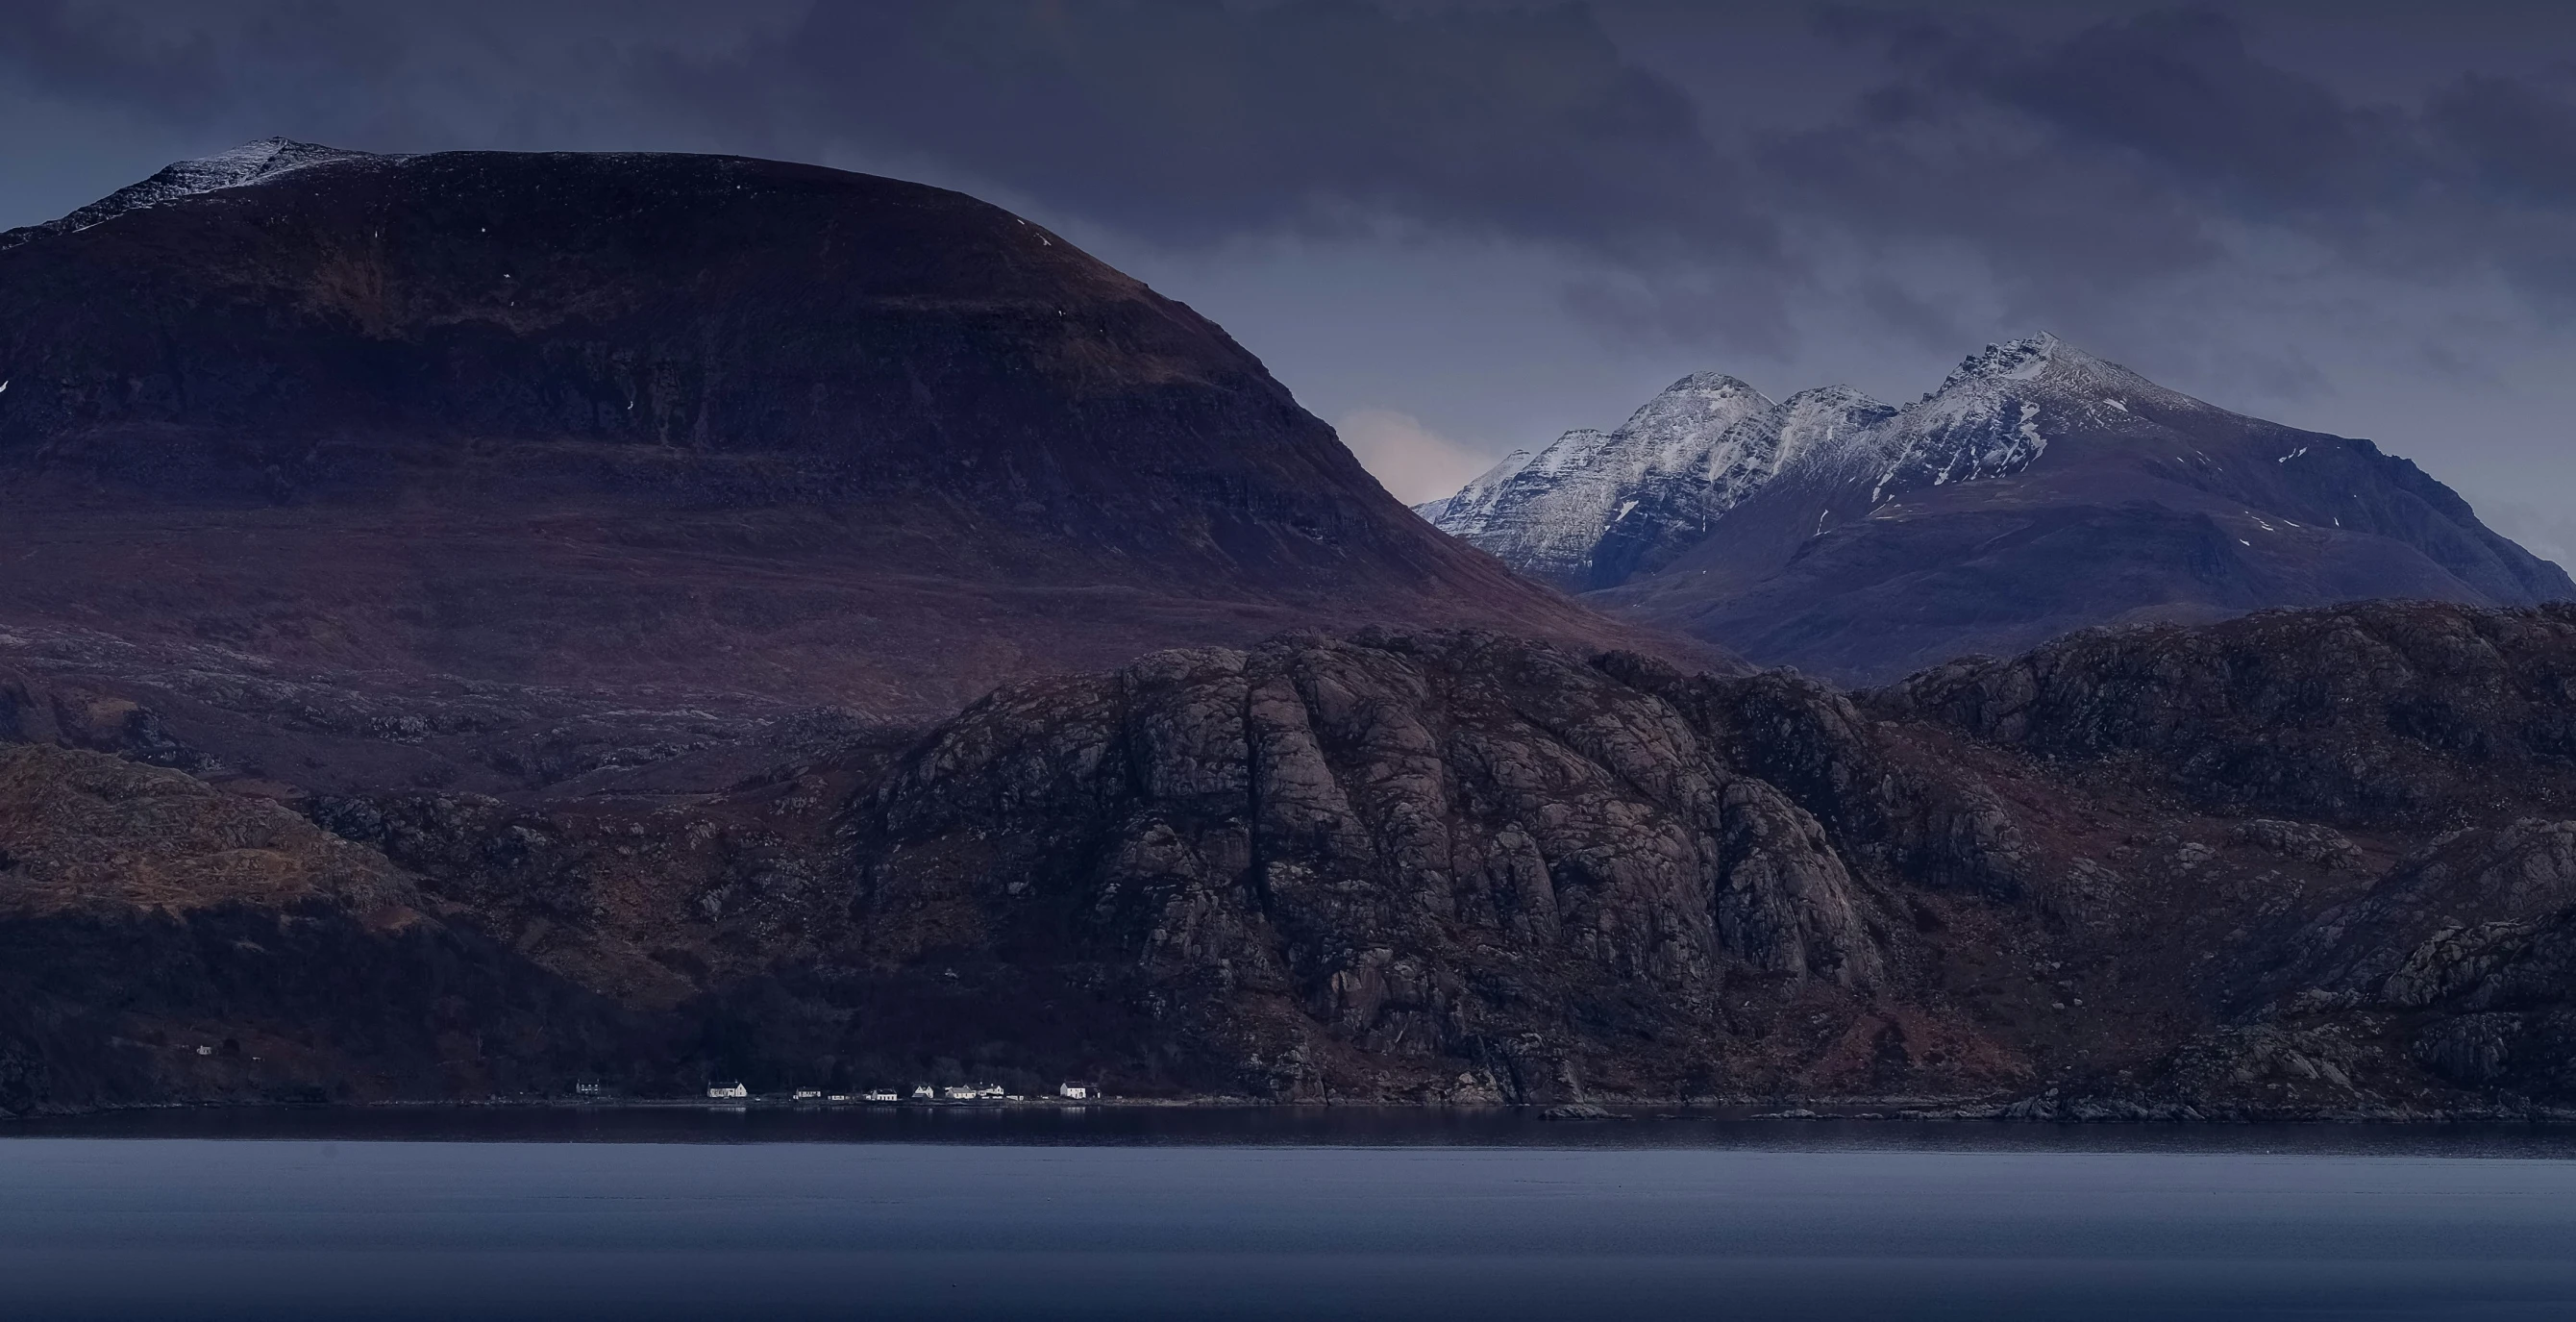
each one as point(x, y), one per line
point(1270, 1215)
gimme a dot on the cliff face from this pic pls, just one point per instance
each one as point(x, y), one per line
point(423, 460)
point(1420, 861)
point(2300, 863)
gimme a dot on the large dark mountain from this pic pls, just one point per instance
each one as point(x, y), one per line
point(2300, 863)
point(2038, 490)
point(490, 466)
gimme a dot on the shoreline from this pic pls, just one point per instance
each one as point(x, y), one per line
point(2073, 1113)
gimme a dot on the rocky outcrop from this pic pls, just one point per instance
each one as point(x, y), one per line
point(1424, 848)
point(2370, 714)
point(84, 831)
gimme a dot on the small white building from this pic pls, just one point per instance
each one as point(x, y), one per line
point(964, 1092)
point(921, 1093)
point(808, 1094)
point(880, 1095)
point(729, 1092)
point(1075, 1091)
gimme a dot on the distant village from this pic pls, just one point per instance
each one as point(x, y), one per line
point(921, 1094)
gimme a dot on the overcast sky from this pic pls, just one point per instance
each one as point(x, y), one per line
point(1458, 228)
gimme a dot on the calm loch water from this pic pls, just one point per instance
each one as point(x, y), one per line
point(1109, 1214)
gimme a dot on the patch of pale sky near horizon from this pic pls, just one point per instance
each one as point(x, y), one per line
point(1412, 461)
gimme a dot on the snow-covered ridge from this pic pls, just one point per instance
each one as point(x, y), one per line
point(251, 163)
point(1597, 507)
point(2015, 360)
point(1700, 441)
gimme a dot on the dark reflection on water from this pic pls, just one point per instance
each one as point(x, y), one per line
point(1345, 1213)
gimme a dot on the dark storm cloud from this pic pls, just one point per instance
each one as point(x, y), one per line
point(2520, 140)
point(187, 63)
point(108, 57)
point(2143, 149)
point(2182, 93)
point(1189, 121)
point(1182, 120)
point(1496, 218)
point(2077, 167)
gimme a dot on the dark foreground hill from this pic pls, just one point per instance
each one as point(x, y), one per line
point(484, 468)
point(2300, 863)
point(2036, 491)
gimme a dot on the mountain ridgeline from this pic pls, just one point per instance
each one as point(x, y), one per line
point(2038, 490)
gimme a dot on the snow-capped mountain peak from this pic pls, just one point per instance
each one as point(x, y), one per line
point(1680, 430)
point(1687, 454)
point(2013, 360)
point(1994, 415)
point(1597, 507)
point(2044, 366)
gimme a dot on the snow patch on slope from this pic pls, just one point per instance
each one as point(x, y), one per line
point(1472, 504)
point(1830, 430)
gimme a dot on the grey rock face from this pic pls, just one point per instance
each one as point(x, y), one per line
point(1432, 845)
point(2483, 919)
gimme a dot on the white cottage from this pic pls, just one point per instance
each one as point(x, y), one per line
point(729, 1092)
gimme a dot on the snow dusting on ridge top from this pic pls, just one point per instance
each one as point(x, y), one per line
point(249, 163)
point(2043, 364)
